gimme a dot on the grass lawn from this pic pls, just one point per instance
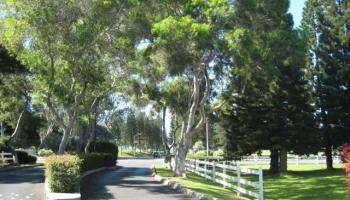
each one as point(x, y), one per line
point(309, 182)
point(303, 182)
point(124, 153)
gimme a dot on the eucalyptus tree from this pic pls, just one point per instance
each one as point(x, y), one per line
point(184, 45)
point(64, 44)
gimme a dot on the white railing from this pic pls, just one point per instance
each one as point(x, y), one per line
point(229, 175)
point(4, 157)
point(292, 160)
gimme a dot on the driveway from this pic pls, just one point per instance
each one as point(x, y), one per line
point(131, 180)
point(22, 184)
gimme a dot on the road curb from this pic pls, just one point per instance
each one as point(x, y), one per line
point(175, 186)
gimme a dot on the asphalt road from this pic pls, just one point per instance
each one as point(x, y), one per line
point(132, 180)
point(22, 184)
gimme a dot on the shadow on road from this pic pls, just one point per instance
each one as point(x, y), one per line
point(28, 175)
point(126, 183)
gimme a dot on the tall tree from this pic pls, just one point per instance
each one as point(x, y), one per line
point(327, 26)
point(269, 98)
point(64, 45)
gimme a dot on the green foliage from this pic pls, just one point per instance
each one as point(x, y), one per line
point(108, 150)
point(3, 141)
point(52, 141)
point(326, 25)
point(63, 173)
point(25, 158)
point(269, 96)
point(45, 152)
point(91, 161)
point(104, 147)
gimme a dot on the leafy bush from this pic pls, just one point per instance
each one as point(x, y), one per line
point(104, 147)
point(198, 146)
point(91, 161)
point(218, 153)
point(63, 173)
point(25, 158)
point(109, 160)
point(45, 152)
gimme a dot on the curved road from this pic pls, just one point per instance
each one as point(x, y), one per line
point(22, 184)
point(131, 181)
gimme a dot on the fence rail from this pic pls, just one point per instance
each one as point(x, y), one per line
point(292, 160)
point(5, 157)
point(229, 175)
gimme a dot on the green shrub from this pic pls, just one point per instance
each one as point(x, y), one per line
point(45, 152)
point(109, 160)
point(218, 153)
point(25, 158)
point(91, 161)
point(63, 173)
point(104, 147)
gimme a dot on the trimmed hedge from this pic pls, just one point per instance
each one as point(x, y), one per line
point(63, 173)
point(104, 147)
point(45, 152)
point(25, 158)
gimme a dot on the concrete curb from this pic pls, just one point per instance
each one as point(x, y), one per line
point(175, 186)
point(71, 196)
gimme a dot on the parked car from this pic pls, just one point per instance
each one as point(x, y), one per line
point(156, 154)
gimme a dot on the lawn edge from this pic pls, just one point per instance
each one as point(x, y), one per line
point(178, 187)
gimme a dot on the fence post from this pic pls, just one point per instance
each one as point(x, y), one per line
point(256, 159)
point(261, 184)
point(195, 166)
point(238, 179)
point(213, 172)
point(205, 167)
point(317, 160)
point(224, 172)
point(297, 159)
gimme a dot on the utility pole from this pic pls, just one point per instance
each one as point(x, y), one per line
point(207, 135)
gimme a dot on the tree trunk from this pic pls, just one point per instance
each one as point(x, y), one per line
point(274, 162)
point(91, 132)
point(180, 159)
point(283, 160)
point(164, 137)
point(2, 128)
point(81, 139)
point(329, 159)
point(189, 125)
point(64, 140)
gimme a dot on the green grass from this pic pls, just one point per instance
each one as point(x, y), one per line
point(128, 153)
point(307, 182)
point(199, 184)
point(303, 182)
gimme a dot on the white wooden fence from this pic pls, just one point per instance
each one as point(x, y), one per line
point(4, 157)
point(229, 175)
point(292, 160)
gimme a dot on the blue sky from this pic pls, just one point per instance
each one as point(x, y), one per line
point(296, 8)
